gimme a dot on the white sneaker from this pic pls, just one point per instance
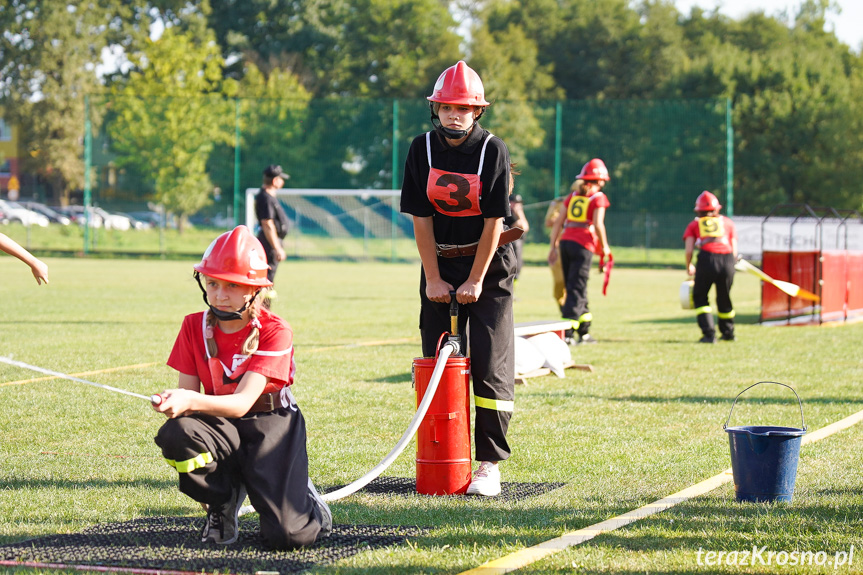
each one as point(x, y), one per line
point(486, 480)
point(323, 508)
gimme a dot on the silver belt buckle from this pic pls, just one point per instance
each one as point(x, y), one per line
point(439, 248)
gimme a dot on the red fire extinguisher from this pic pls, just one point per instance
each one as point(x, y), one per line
point(443, 438)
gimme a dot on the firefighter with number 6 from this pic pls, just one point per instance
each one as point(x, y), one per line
point(576, 235)
point(716, 238)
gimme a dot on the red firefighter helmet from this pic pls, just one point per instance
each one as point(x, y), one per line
point(459, 84)
point(594, 170)
point(707, 202)
point(238, 257)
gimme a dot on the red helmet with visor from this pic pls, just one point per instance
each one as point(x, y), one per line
point(594, 170)
point(707, 202)
point(460, 85)
point(238, 257)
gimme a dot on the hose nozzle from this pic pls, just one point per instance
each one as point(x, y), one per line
point(453, 315)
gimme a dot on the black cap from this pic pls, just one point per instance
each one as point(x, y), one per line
point(275, 171)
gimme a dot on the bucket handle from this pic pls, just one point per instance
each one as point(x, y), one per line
point(799, 403)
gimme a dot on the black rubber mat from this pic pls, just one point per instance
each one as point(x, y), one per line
point(408, 486)
point(174, 544)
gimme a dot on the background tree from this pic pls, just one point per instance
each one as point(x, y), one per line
point(272, 113)
point(49, 51)
point(369, 48)
point(169, 116)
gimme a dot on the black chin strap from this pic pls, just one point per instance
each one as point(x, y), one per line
point(449, 132)
point(224, 315)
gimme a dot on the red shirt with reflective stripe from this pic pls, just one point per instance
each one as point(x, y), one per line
point(580, 210)
point(274, 358)
point(712, 234)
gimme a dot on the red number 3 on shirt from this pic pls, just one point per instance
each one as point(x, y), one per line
point(452, 194)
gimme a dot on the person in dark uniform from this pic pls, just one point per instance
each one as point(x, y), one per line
point(517, 219)
point(233, 425)
point(273, 220)
point(456, 187)
point(577, 234)
point(716, 239)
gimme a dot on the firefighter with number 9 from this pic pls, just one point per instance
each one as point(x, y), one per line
point(716, 238)
point(456, 188)
point(576, 235)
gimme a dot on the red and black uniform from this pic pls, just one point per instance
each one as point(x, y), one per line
point(577, 245)
point(264, 451)
point(459, 187)
point(715, 266)
point(267, 207)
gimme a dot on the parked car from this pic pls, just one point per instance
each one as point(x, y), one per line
point(113, 221)
point(53, 216)
point(136, 223)
point(99, 218)
point(15, 212)
point(76, 214)
point(148, 217)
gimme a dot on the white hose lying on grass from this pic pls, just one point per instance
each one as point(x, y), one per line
point(446, 351)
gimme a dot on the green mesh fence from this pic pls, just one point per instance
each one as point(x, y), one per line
point(661, 155)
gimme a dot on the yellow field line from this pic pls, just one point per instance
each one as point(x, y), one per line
point(81, 374)
point(529, 555)
point(139, 365)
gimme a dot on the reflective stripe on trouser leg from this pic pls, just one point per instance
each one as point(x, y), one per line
point(726, 323)
point(203, 449)
point(494, 404)
point(492, 342)
point(189, 465)
point(576, 260)
point(584, 323)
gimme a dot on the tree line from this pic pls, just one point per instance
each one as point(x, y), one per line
point(793, 86)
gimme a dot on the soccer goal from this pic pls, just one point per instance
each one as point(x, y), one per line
point(346, 223)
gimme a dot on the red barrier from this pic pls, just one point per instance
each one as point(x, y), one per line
point(854, 310)
point(835, 275)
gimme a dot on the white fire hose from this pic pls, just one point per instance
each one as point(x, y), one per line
point(446, 350)
point(449, 348)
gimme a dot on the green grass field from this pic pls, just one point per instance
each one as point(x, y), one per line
point(647, 422)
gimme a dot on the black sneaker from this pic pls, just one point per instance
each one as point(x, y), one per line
point(727, 337)
point(326, 514)
point(707, 339)
point(222, 525)
point(586, 338)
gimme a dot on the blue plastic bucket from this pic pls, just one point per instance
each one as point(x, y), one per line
point(764, 458)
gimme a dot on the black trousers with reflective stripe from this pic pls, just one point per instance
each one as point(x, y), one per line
point(266, 452)
point(714, 269)
point(492, 342)
point(575, 260)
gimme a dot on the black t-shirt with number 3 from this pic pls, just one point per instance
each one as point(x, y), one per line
point(464, 159)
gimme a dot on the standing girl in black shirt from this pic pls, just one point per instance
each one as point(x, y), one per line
point(456, 187)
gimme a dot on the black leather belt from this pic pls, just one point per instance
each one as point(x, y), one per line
point(457, 251)
point(267, 402)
